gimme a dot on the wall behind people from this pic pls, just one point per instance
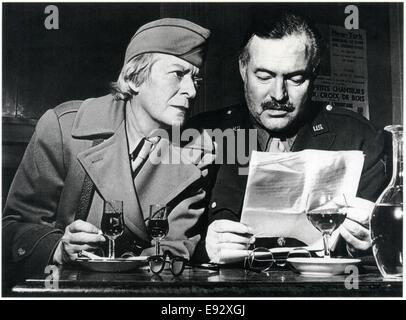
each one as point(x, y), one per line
point(43, 68)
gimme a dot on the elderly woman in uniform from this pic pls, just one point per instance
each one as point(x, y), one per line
point(85, 152)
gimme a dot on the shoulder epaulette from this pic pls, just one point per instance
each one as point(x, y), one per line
point(329, 109)
point(67, 107)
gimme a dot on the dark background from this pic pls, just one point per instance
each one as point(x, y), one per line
point(42, 68)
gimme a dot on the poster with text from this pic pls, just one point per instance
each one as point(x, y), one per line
point(343, 78)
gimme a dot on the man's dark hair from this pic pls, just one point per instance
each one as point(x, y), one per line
point(278, 25)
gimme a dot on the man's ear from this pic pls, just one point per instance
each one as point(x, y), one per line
point(316, 72)
point(243, 70)
point(313, 78)
point(133, 86)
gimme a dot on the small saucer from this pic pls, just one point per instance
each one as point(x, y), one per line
point(113, 265)
point(321, 267)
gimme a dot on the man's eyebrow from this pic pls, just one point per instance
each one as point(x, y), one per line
point(264, 70)
point(303, 72)
point(299, 73)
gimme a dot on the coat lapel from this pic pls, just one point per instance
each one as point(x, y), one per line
point(167, 173)
point(108, 165)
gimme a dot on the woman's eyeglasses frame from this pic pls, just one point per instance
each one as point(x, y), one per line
point(163, 260)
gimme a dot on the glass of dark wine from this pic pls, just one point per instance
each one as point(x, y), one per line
point(327, 212)
point(112, 224)
point(158, 225)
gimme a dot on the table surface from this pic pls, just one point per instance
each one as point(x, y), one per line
point(75, 281)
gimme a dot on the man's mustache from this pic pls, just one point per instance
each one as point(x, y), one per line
point(273, 105)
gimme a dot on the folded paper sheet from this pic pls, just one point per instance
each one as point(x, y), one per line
point(281, 185)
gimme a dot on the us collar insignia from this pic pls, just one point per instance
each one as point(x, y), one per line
point(319, 128)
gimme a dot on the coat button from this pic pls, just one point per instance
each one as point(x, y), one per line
point(281, 241)
point(20, 251)
point(214, 204)
point(329, 107)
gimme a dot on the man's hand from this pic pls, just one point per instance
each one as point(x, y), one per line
point(355, 228)
point(227, 234)
point(79, 236)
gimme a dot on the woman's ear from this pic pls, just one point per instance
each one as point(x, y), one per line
point(133, 86)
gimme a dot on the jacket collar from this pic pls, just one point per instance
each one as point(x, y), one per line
point(316, 133)
point(103, 116)
point(98, 117)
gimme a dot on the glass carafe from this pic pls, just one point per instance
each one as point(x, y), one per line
point(387, 218)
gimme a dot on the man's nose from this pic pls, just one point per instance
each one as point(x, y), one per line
point(188, 87)
point(278, 89)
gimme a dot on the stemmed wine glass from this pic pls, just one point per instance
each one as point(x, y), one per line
point(158, 225)
point(327, 212)
point(112, 224)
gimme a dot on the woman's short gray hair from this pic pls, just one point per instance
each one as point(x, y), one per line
point(137, 70)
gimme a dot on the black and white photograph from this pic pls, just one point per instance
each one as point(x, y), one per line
point(200, 150)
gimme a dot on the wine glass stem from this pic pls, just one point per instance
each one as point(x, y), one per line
point(157, 247)
point(326, 238)
point(112, 249)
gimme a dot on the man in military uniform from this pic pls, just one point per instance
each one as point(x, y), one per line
point(278, 65)
point(108, 148)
